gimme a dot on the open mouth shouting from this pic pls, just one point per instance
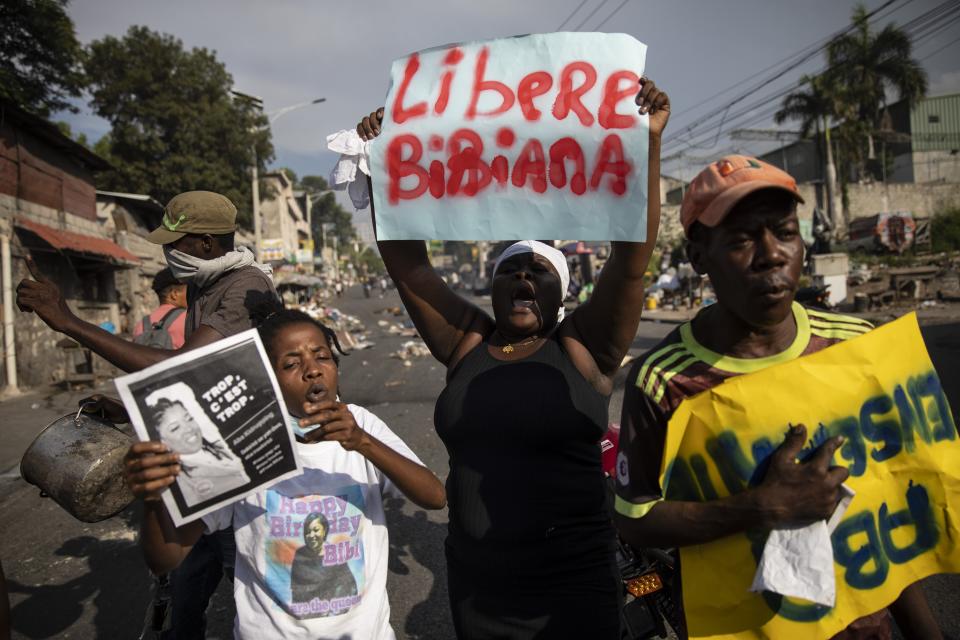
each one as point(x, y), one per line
point(524, 298)
point(316, 393)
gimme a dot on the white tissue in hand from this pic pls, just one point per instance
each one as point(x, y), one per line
point(798, 561)
point(354, 160)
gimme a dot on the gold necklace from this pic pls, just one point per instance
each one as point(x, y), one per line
point(510, 348)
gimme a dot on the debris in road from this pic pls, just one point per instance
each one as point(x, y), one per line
point(350, 331)
point(411, 349)
point(396, 311)
point(393, 383)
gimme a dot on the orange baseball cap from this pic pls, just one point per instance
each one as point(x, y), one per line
point(716, 189)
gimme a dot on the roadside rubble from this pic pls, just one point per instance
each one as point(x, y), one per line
point(411, 349)
point(402, 328)
point(351, 332)
point(927, 281)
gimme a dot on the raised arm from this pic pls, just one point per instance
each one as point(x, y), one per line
point(448, 324)
point(44, 298)
point(338, 424)
point(607, 323)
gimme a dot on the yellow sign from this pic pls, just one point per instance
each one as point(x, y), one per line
point(880, 392)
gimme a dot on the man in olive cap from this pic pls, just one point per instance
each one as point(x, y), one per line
point(225, 286)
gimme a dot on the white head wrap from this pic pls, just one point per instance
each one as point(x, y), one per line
point(556, 258)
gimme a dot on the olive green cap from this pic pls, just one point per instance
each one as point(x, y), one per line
point(195, 212)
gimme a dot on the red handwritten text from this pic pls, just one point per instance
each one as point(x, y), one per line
point(466, 173)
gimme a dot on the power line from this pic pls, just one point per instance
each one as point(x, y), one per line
point(939, 49)
point(688, 136)
point(804, 53)
point(779, 74)
point(615, 12)
point(590, 15)
point(572, 13)
point(942, 24)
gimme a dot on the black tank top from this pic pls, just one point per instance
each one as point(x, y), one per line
point(524, 459)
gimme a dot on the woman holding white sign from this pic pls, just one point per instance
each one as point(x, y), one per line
point(530, 545)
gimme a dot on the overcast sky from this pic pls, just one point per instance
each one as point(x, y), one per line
point(291, 51)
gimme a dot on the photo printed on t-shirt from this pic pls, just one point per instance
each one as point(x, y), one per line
point(315, 556)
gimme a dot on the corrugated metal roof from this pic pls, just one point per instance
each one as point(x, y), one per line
point(935, 123)
point(79, 242)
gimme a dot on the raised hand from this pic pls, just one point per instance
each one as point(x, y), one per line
point(369, 127)
point(336, 424)
point(149, 468)
point(43, 297)
point(654, 102)
point(801, 493)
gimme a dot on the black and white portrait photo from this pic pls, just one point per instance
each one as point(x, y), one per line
point(219, 407)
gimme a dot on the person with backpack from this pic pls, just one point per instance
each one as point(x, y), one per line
point(164, 327)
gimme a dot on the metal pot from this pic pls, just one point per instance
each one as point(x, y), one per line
point(78, 461)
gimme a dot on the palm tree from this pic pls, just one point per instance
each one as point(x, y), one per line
point(814, 107)
point(870, 64)
point(810, 106)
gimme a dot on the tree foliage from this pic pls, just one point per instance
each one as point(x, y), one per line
point(174, 126)
point(291, 175)
point(815, 102)
point(945, 230)
point(863, 67)
point(40, 68)
point(314, 184)
point(866, 64)
point(326, 210)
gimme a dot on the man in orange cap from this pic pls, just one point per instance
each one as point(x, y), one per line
point(740, 220)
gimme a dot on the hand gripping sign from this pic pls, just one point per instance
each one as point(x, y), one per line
point(881, 392)
point(529, 137)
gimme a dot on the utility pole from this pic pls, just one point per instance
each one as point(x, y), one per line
point(833, 196)
point(257, 103)
point(255, 190)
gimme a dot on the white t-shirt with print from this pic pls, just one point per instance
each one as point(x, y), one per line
point(340, 593)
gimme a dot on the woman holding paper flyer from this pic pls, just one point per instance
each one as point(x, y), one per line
point(530, 547)
point(312, 550)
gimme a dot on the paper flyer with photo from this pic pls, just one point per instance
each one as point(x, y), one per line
point(221, 409)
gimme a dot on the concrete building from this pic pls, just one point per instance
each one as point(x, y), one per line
point(916, 144)
point(917, 158)
point(286, 228)
point(128, 218)
point(931, 153)
point(48, 211)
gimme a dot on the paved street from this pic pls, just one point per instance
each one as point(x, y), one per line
point(71, 580)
